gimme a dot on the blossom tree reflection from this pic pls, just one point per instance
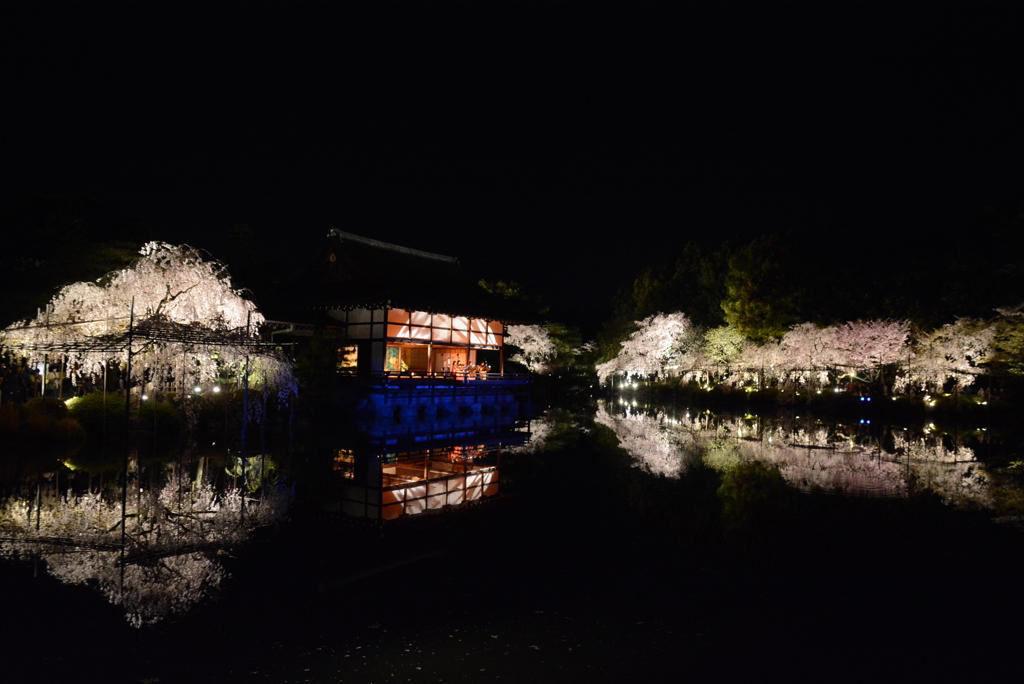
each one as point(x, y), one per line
point(810, 456)
point(655, 444)
point(175, 538)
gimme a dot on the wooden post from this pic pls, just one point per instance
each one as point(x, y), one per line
point(245, 413)
point(127, 440)
point(263, 434)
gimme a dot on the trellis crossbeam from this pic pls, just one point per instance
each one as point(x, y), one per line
point(149, 330)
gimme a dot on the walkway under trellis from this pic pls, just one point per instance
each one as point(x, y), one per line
point(148, 330)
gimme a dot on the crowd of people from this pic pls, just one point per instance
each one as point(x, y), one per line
point(20, 382)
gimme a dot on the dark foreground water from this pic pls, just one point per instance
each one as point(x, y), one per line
point(588, 568)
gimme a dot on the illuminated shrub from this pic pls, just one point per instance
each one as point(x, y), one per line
point(93, 409)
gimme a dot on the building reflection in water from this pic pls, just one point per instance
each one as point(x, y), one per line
point(405, 471)
point(389, 486)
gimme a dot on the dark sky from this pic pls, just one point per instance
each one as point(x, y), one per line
point(564, 145)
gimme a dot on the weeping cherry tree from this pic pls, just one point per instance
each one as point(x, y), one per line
point(172, 312)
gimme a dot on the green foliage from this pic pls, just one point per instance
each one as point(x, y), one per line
point(97, 460)
point(161, 420)
point(779, 280)
point(103, 420)
point(319, 359)
point(1009, 342)
point(723, 344)
point(259, 469)
point(48, 407)
point(570, 357)
point(68, 431)
point(316, 366)
point(95, 409)
point(42, 429)
point(760, 300)
point(693, 283)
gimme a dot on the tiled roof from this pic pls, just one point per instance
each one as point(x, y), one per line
point(356, 272)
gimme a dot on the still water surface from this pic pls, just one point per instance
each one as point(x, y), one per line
point(812, 455)
point(625, 541)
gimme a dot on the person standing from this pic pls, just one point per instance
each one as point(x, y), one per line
point(53, 382)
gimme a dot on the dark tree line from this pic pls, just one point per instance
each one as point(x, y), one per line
point(50, 242)
point(831, 275)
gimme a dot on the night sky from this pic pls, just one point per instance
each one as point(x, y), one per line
point(563, 145)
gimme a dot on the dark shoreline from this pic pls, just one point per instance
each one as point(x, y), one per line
point(942, 409)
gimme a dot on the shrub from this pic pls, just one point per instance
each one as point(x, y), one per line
point(159, 418)
point(91, 410)
point(67, 431)
point(50, 407)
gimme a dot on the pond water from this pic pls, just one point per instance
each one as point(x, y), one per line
point(813, 455)
point(155, 548)
point(619, 541)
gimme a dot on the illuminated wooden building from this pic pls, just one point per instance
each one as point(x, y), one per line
point(423, 343)
point(400, 311)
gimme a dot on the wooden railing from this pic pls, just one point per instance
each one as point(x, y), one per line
point(451, 376)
